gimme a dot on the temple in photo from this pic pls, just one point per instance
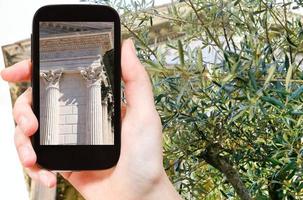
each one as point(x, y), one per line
point(76, 83)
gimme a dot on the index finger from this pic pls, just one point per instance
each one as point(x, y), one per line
point(18, 72)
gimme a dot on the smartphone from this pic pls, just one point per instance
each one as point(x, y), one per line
point(76, 82)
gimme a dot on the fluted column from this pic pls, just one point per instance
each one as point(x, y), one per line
point(94, 106)
point(109, 120)
point(104, 121)
point(50, 126)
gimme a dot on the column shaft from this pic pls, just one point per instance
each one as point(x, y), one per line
point(110, 130)
point(94, 105)
point(94, 115)
point(49, 134)
point(104, 123)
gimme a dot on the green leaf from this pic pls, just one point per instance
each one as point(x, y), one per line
point(281, 175)
point(151, 21)
point(238, 115)
point(286, 62)
point(228, 78)
point(251, 113)
point(285, 137)
point(199, 59)
point(252, 79)
point(270, 72)
point(152, 64)
point(296, 93)
point(181, 94)
point(273, 101)
point(274, 161)
point(291, 42)
point(181, 53)
point(288, 77)
point(159, 98)
point(259, 11)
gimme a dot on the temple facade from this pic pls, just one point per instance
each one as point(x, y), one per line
point(76, 101)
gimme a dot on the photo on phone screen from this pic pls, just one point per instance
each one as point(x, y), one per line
point(76, 83)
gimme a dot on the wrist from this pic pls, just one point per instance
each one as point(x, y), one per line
point(157, 186)
point(162, 188)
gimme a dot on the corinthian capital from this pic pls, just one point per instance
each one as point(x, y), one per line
point(51, 77)
point(92, 74)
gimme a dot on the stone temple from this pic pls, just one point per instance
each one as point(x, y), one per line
point(76, 83)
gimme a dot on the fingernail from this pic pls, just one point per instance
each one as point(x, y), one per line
point(23, 123)
point(43, 177)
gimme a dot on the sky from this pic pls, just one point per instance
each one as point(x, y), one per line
point(16, 24)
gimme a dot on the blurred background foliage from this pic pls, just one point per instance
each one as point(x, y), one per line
point(230, 98)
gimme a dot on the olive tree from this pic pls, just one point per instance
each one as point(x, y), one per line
point(232, 124)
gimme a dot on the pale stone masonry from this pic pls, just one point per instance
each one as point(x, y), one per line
point(94, 105)
point(50, 123)
point(72, 108)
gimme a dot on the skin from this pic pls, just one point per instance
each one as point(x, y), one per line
point(139, 173)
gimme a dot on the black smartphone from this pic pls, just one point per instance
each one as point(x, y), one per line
point(76, 77)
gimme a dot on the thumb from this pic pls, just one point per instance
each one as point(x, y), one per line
point(138, 89)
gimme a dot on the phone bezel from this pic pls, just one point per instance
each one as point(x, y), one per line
point(77, 157)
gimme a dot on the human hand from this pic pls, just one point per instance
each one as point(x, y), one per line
point(139, 173)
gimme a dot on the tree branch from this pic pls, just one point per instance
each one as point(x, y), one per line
point(212, 156)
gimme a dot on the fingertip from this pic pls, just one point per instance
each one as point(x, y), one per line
point(3, 74)
point(18, 72)
point(33, 127)
point(28, 125)
point(24, 148)
point(132, 69)
point(138, 89)
point(47, 178)
point(27, 155)
point(29, 161)
point(129, 43)
point(23, 114)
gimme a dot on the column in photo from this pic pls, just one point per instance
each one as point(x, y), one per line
point(94, 105)
point(109, 119)
point(50, 127)
point(104, 119)
point(107, 99)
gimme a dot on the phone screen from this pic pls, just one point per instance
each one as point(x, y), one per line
point(76, 83)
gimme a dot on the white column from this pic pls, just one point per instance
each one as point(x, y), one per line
point(106, 124)
point(109, 121)
point(49, 134)
point(104, 121)
point(94, 105)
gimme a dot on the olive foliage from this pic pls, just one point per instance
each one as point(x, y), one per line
point(232, 124)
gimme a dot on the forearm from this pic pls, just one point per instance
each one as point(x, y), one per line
point(164, 189)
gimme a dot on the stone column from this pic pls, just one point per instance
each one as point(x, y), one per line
point(94, 106)
point(104, 121)
point(50, 126)
point(109, 120)
point(105, 103)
